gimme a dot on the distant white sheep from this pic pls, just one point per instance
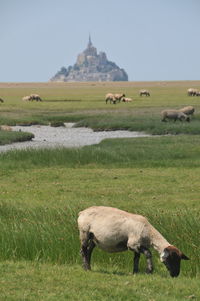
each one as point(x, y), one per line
point(110, 97)
point(174, 115)
point(144, 92)
point(119, 97)
point(192, 92)
point(35, 97)
point(114, 230)
point(26, 98)
point(127, 99)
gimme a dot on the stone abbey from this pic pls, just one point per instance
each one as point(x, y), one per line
point(91, 66)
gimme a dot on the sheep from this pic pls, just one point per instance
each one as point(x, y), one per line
point(126, 99)
point(26, 98)
point(192, 92)
point(197, 93)
point(118, 97)
point(144, 92)
point(115, 230)
point(1, 100)
point(110, 97)
point(35, 97)
point(174, 115)
point(188, 110)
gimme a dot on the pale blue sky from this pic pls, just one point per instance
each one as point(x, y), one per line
point(150, 39)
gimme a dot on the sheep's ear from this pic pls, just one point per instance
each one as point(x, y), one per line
point(183, 256)
point(164, 255)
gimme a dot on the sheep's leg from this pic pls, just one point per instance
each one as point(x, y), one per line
point(84, 238)
point(136, 262)
point(148, 255)
point(84, 253)
point(89, 252)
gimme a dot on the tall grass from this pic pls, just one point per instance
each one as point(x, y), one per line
point(51, 235)
point(48, 231)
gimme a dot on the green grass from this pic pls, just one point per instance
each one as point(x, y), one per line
point(7, 137)
point(33, 281)
point(84, 103)
point(42, 191)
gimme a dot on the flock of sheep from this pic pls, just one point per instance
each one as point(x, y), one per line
point(116, 98)
point(181, 115)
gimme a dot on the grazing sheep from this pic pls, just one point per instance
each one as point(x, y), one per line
point(174, 115)
point(144, 92)
point(187, 110)
point(35, 97)
point(1, 100)
point(110, 97)
point(197, 93)
point(119, 97)
point(114, 230)
point(192, 92)
point(26, 98)
point(126, 99)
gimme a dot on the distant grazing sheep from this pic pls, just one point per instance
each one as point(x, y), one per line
point(35, 97)
point(192, 92)
point(126, 99)
point(114, 230)
point(198, 93)
point(144, 92)
point(188, 110)
point(174, 115)
point(110, 97)
point(118, 97)
point(26, 98)
point(1, 100)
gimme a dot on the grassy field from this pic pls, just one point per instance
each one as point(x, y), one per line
point(42, 192)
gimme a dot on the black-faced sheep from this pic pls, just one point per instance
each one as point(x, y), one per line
point(114, 230)
point(174, 115)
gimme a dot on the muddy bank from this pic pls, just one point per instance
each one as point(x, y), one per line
point(68, 136)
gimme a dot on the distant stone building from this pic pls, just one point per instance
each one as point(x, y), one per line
point(91, 66)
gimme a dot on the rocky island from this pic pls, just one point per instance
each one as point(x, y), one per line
point(91, 66)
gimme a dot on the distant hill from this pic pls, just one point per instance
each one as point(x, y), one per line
point(91, 66)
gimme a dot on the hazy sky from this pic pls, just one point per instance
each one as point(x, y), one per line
point(150, 39)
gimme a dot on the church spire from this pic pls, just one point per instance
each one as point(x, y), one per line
point(89, 42)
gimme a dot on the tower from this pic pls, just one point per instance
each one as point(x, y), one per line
point(89, 42)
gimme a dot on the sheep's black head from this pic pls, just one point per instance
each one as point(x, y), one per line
point(188, 119)
point(171, 257)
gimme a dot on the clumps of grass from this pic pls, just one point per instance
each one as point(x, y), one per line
point(7, 137)
point(28, 123)
point(57, 123)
